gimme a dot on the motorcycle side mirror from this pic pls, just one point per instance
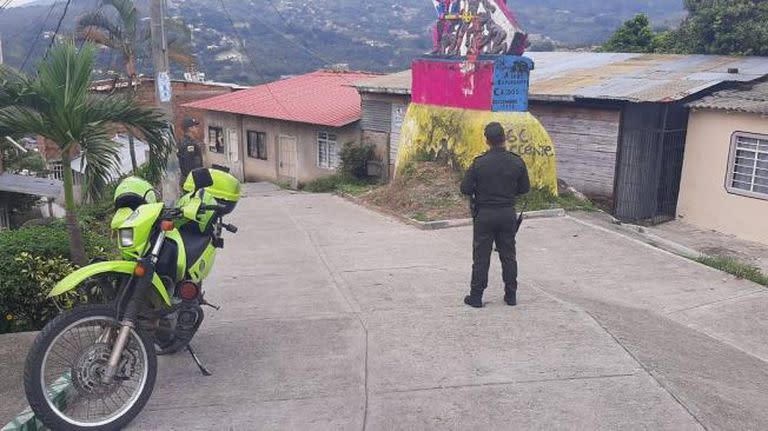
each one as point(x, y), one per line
point(202, 178)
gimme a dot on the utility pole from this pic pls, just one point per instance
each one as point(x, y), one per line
point(1, 49)
point(163, 93)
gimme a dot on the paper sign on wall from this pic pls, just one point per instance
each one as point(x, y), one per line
point(164, 87)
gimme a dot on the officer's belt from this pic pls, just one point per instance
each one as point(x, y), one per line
point(507, 205)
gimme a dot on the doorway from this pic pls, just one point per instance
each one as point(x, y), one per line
point(288, 160)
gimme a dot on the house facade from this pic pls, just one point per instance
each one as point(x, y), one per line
point(725, 173)
point(287, 131)
point(618, 121)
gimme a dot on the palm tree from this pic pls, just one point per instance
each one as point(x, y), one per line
point(58, 105)
point(121, 36)
point(120, 32)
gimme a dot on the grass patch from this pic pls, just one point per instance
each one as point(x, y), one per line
point(337, 183)
point(429, 191)
point(736, 268)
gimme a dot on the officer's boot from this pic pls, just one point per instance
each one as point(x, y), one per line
point(474, 299)
point(510, 297)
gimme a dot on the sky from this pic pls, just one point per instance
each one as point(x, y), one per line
point(20, 2)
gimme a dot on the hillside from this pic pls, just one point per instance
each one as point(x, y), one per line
point(283, 37)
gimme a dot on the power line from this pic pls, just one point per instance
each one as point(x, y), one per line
point(58, 27)
point(250, 58)
point(39, 34)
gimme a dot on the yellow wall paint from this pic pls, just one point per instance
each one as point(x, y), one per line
point(427, 129)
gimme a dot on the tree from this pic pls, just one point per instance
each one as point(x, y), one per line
point(116, 25)
point(58, 105)
point(726, 27)
point(635, 35)
point(121, 35)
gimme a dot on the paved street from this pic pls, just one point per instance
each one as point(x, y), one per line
point(335, 317)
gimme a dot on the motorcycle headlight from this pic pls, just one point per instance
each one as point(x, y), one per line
point(126, 237)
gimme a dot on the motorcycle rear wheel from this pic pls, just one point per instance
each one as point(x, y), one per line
point(62, 375)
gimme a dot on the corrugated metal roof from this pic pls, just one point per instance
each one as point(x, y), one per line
point(323, 98)
point(609, 76)
point(30, 185)
point(751, 98)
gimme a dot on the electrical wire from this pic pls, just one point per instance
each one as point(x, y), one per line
point(39, 34)
point(58, 27)
point(250, 58)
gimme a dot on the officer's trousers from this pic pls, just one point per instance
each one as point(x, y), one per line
point(494, 225)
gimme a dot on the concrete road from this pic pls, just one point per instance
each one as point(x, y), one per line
point(337, 318)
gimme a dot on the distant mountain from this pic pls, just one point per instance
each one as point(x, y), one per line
point(272, 38)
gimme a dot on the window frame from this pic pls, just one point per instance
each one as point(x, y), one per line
point(333, 162)
point(213, 147)
point(731, 168)
point(258, 155)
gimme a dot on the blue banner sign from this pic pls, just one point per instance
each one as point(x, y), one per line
point(511, 78)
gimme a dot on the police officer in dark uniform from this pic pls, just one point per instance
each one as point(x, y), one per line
point(493, 182)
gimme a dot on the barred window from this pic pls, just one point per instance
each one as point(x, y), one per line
point(748, 170)
point(216, 139)
point(327, 150)
point(257, 145)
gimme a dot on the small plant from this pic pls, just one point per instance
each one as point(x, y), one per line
point(736, 268)
point(354, 160)
point(25, 305)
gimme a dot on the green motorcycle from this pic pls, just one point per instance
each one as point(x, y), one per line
point(94, 367)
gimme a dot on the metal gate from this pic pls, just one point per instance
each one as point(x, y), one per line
point(650, 162)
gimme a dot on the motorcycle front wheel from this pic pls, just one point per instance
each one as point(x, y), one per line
point(64, 369)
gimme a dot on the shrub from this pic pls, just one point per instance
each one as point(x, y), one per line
point(327, 184)
point(354, 160)
point(25, 305)
point(31, 259)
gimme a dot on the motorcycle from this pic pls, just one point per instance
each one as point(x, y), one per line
point(94, 366)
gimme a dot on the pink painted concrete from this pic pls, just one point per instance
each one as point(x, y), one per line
point(453, 83)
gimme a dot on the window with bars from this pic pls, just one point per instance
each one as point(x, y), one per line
point(57, 171)
point(327, 150)
point(257, 145)
point(748, 170)
point(216, 139)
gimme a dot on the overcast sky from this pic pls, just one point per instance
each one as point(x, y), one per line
point(20, 2)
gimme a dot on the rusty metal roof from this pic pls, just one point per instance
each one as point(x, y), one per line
point(567, 76)
point(750, 98)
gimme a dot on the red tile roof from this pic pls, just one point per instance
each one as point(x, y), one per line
point(323, 98)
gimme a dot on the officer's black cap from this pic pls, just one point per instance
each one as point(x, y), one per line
point(494, 132)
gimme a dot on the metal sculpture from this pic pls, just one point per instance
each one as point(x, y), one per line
point(468, 28)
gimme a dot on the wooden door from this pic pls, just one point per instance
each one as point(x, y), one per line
point(288, 159)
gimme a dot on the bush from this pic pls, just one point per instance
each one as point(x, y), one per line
point(354, 160)
point(31, 260)
point(327, 184)
point(25, 305)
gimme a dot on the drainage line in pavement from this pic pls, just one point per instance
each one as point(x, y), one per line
point(355, 308)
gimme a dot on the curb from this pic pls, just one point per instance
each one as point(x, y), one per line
point(662, 243)
point(443, 224)
point(26, 420)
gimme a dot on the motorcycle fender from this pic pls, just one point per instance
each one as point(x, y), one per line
point(73, 280)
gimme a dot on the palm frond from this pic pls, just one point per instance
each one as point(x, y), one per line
point(146, 124)
point(127, 14)
point(97, 21)
point(101, 157)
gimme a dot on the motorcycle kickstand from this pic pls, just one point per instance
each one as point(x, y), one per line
point(197, 361)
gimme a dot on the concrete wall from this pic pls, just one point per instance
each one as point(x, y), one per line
point(704, 200)
point(267, 170)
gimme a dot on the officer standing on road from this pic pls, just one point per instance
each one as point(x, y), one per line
point(494, 181)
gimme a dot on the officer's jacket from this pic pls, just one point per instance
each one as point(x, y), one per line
point(496, 178)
